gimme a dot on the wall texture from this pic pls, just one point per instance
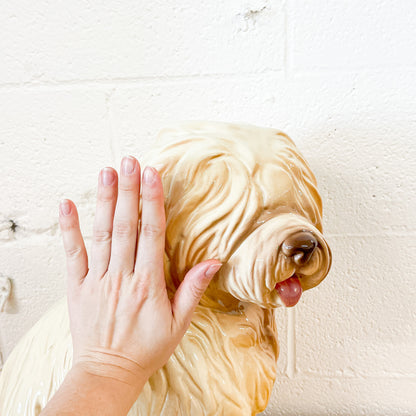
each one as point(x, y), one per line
point(83, 83)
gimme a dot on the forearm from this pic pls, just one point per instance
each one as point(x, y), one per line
point(88, 394)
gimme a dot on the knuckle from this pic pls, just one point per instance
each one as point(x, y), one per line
point(69, 226)
point(148, 270)
point(197, 292)
point(127, 187)
point(152, 231)
point(143, 276)
point(123, 229)
point(73, 252)
point(89, 287)
point(105, 197)
point(102, 236)
point(143, 288)
point(151, 194)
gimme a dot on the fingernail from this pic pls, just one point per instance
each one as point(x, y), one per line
point(65, 207)
point(148, 175)
point(128, 165)
point(108, 176)
point(212, 270)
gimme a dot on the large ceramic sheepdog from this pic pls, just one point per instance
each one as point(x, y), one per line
point(237, 193)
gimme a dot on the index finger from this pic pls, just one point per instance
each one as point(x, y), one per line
point(74, 246)
point(151, 246)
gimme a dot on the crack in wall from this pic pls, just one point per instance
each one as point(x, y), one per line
point(248, 19)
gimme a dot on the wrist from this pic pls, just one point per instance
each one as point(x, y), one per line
point(92, 388)
point(107, 384)
point(111, 369)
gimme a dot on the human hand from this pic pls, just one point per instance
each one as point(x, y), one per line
point(122, 322)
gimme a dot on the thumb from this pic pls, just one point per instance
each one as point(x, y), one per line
point(190, 291)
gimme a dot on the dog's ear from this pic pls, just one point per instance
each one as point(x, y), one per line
point(209, 202)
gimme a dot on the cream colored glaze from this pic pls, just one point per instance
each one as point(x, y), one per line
point(232, 192)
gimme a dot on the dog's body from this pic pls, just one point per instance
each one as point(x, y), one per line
point(235, 193)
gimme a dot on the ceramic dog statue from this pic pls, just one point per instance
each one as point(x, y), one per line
point(237, 193)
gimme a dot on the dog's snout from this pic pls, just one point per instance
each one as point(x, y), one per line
point(300, 246)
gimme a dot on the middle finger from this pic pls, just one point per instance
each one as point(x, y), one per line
point(126, 217)
point(103, 223)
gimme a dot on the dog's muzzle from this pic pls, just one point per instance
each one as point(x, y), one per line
point(277, 262)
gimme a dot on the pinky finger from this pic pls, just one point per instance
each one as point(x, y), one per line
point(76, 254)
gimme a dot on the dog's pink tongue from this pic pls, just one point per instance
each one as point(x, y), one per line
point(290, 291)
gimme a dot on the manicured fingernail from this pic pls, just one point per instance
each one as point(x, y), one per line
point(148, 175)
point(212, 270)
point(108, 176)
point(65, 207)
point(128, 165)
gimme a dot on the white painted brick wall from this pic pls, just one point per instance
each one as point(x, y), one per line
point(84, 83)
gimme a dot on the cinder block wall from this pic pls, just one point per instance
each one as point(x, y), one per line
point(84, 83)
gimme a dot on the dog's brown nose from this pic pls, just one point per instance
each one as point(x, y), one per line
point(300, 246)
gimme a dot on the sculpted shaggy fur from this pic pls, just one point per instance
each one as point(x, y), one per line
point(245, 196)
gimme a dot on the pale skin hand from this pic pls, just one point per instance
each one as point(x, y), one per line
point(123, 325)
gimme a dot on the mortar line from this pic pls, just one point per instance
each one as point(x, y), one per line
point(143, 80)
point(387, 233)
point(358, 71)
point(301, 376)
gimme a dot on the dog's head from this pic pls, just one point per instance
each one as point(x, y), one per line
point(244, 195)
